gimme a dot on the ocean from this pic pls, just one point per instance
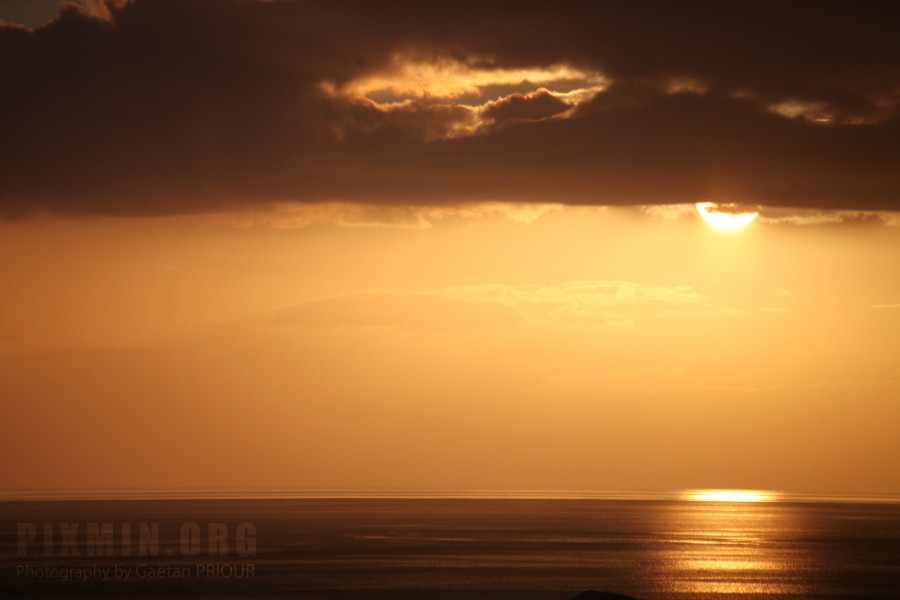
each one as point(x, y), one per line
point(536, 547)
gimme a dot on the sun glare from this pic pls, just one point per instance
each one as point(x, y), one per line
point(722, 216)
point(729, 496)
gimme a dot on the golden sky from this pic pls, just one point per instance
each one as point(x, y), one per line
point(495, 347)
point(253, 244)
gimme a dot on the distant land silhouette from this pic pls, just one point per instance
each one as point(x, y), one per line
point(592, 595)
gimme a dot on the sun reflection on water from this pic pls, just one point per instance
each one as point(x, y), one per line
point(734, 542)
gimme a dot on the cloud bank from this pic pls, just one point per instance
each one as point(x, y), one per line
point(202, 106)
point(598, 303)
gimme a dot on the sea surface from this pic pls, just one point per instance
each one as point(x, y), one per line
point(655, 547)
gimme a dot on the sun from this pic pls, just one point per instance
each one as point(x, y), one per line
point(725, 216)
point(729, 495)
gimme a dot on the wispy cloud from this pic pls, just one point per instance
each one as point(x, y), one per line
point(608, 303)
point(611, 305)
point(773, 215)
point(356, 215)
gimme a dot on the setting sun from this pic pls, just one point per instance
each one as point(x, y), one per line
point(722, 216)
point(730, 496)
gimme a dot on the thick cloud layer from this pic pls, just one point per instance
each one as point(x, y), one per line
point(183, 106)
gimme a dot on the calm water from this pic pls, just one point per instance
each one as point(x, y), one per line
point(461, 548)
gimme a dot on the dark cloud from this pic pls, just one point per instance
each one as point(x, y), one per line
point(179, 106)
point(30, 13)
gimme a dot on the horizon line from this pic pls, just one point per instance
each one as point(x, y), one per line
point(691, 495)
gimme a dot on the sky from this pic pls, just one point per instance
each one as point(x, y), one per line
point(341, 245)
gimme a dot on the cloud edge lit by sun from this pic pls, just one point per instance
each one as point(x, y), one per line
point(712, 213)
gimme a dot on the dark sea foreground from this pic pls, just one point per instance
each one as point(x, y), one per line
point(449, 548)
